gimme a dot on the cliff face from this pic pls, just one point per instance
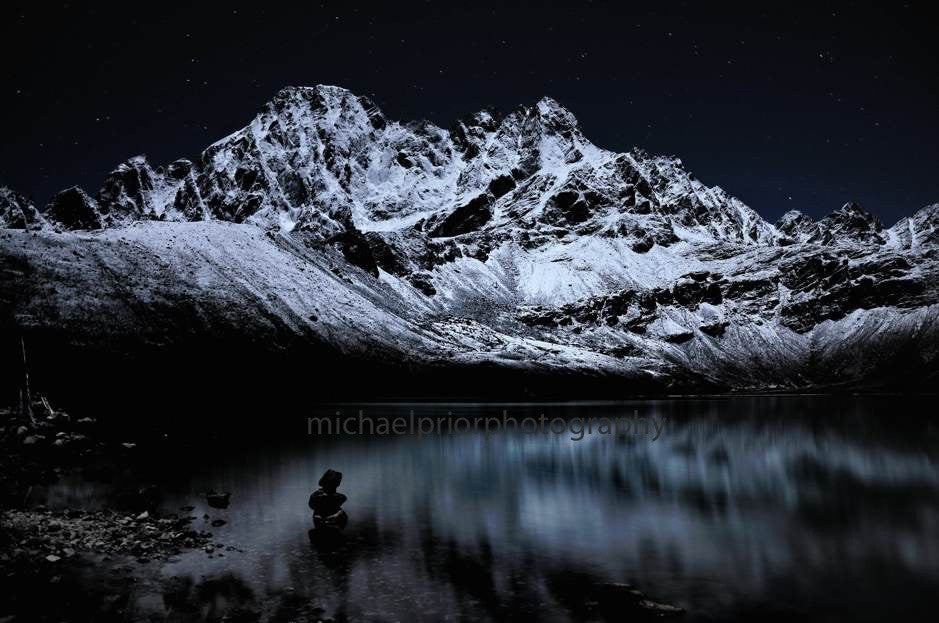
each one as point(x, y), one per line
point(509, 241)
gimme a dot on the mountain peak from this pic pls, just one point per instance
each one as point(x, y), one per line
point(852, 213)
point(73, 208)
point(18, 212)
point(930, 212)
point(852, 207)
point(323, 99)
point(555, 114)
point(550, 105)
point(323, 158)
point(850, 223)
point(328, 90)
point(794, 215)
point(796, 226)
point(919, 230)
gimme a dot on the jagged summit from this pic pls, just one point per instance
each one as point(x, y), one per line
point(796, 226)
point(507, 241)
point(554, 113)
point(323, 89)
point(325, 160)
point(850, 223)
point(328, 97)
point(853, 220)
point(920, 231)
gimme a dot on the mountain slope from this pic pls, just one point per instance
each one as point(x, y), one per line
point(505, 241)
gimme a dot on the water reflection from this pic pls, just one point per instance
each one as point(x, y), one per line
point(814, 507)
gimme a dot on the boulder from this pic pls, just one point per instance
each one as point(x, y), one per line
point(330, 480)
point(326, 503)
point(218, 499)
point(338, 520)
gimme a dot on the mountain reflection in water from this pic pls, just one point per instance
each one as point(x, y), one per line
point(789, 506)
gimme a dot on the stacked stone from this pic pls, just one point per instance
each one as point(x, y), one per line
point(327, 503)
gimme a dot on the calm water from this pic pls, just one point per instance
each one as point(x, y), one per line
point(822, 508)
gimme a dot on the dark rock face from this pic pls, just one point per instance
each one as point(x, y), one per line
point(375, 117)
point(796, 226)
point(470, 131)
point(501, 185)
point(436, 253)
point(466, 218)
point(569, 207)
point(74, 209)
point(356, 249)
point(850, 223)
point(920, 231)
point(179, 169)
point(692, 290)
point(633, 309)
point(680, 337)
point(17, 212)
point(828, 287)
point(714, 329)
point(387, 257)
point(422, 282)
point(124, 194)
point(643, 244)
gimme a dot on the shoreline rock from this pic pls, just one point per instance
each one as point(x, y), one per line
point(326, 502)
point(45, 534)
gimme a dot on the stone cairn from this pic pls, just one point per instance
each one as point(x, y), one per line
point(327, 503)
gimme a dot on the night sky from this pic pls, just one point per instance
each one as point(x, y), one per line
point(786, 106)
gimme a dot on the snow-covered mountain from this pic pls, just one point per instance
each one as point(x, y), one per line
point(509, 241)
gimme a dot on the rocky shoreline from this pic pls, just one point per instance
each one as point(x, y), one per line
point(42, 546)
point(54, 536)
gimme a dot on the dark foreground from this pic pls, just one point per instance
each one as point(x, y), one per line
point(818, 508)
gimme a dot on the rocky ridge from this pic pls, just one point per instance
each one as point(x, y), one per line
point(506, 239)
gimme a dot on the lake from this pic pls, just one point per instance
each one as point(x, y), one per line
point(821, 508)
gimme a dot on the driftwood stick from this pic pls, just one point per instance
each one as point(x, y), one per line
point(28, 402)
point(46, 405)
